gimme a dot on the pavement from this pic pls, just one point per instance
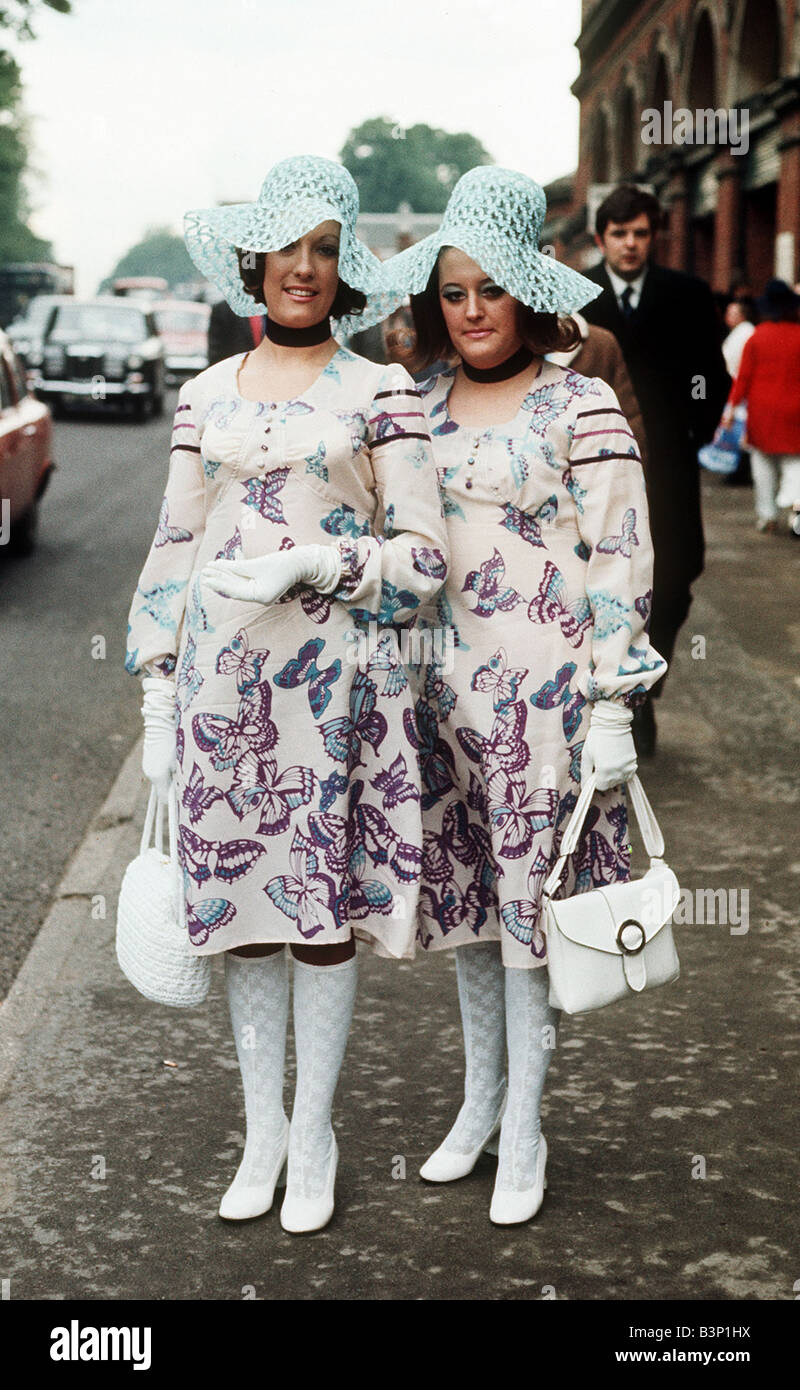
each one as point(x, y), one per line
point(670, 1119)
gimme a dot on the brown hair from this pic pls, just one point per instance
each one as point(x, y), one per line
point(625, 202)
point(540, 333)
point(346, 300)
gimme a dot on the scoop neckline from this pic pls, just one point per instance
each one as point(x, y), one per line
point(497, 424)
point(289, 400)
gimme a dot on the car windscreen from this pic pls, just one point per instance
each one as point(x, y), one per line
point(90, 322)
point(179, 321)
point(38, 312)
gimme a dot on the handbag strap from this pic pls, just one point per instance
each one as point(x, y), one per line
point(645, 817)
point(153, 834)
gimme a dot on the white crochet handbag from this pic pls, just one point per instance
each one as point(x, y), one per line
point(613, 942)
point(153, 946)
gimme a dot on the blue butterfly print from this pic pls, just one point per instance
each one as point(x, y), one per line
point(388, 522)
point(237, 659)
point(262, 495)
point(583, 551)
point(232, 549)
point(548, 510)
point(344, 735)
point(579, 385)
point(305, 895)
point(557, 692)
point(521, 524)
point(302, 669)
point(545, 405)
point(487, 584)
point(355, 421)
point(393, 785)
point(437, 763)
point(315, 462)
point(623, 543)
point(418, 457)
point(360, 895)
point(438, 692)
point(342, 522)
point(519, 463)
point(386, 427)
point(208, 916)
point(449, 506)
point(576, 492)
point(505, 747)
point(333, 372)
point(444, 618)
point(521, 917)
point(333, 786)
point(385, 656)
point(595, 860)
point(210, 466)
point(257, 783)
point(221, 412)
point(166, 533)
point(425, 387)
point(446, 426)
point(132, 660)
point(197, 619)
point(227, 860)
point(610, 613)
point(157, 602)
point(517, 816)
point(643, 604)
point(495, 676)
point(197, 797)
point(392, 601)
point(227, 740)
point(189, 679)
point(550, 605)
point(180, 744)
point(298, 408)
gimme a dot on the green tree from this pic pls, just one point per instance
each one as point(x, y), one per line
point(17, 17)
point(159, 252)
point(416, 164)
point(17, 242)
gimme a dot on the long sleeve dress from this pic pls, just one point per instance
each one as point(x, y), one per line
point(297, 780)
point(547, 599)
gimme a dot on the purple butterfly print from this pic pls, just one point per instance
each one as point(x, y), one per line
point(166, 533)
point(550, 605)
point(344, 736)
point(505, 747)
point(429, 561)
point(437, 763)
point(303, 670)
point(517, 816)
point(476, 797)
point(522, 916)
point(384, 656)
point(343, 521)
point(487, 585)
point(355, 422)
point(393, 785)
point(596, 863)
point(618, 816)
point(643, 604)
point(521, 524)
point(360, 895)
point(257, 783)
point(583, 551)
point(237, 659)
point(438, 692)
point(455, 906)
point(545, 405)
point(189, 679)
point(305, 895)
point(226, 860)
point(206, 917)
point(495, 676)
point(624, 542)
point(226, 740)
point(262, 495)
point(197, 797)
point(232, 549)
point(557, 692)
point(333, 786)
point(180, 745)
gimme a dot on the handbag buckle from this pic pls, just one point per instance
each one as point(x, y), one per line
point(631, 950)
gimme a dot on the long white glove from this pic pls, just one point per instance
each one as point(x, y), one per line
point(609, 750)
point(266, 578)
point(160, 715)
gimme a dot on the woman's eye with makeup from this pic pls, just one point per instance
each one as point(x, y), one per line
point(329, 250)
point(287, 250)
point(493, 291)
point(452, 296)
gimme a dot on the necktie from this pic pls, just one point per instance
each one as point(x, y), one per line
point(625, 302)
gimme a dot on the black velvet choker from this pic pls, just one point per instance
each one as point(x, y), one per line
point(298, 337)
point(512, 366)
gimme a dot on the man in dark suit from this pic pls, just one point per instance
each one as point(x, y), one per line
point(666, 324)
point(229, 333)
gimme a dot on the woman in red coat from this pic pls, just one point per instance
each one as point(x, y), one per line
point(769, 380)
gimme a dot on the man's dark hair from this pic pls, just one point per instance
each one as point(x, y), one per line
point(626, 202)
point(346, 301)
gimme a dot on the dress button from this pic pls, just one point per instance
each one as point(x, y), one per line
point(265, 448)
point(468, 483)
point(470, 460)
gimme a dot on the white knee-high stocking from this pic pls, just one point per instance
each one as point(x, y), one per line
point(258, 996)
point(531, 1026)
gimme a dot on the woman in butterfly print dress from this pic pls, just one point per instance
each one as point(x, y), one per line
point(548, 593)
point(296, 767)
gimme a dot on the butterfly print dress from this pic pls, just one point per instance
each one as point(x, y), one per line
point(547, 597)
point(297, 779)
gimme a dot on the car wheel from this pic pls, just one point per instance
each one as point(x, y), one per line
point(24, 532)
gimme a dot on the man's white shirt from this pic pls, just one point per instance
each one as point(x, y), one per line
point(619, 286)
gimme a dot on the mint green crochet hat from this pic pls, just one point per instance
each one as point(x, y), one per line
point(496, 216)
point(296, 195)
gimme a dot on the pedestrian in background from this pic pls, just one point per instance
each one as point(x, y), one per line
point(547, 595)
point(768, 380)
point(668, 330)
point(599, 354)
point(302, 498)
point(229, 333)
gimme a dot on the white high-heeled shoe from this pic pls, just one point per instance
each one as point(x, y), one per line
point(511, 1208)
point(446, 1166)
point(243, 1201)
point(300, 1214)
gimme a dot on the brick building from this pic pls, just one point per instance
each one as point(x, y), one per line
point(733, 68)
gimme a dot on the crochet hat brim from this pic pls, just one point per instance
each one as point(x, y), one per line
point(213, 235)
point(535, 279)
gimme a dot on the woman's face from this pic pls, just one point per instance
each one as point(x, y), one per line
point(481, 317)
point(301, 280)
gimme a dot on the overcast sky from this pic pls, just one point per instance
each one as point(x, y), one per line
point(140, 109)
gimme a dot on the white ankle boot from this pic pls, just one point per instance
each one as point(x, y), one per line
point(258, 995)
point(323, 1008)
point(530, 1029)
point(481, 996)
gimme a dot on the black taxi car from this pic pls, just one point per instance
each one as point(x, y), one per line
point(103, 351)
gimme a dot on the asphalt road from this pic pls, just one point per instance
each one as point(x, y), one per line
point(67, 718)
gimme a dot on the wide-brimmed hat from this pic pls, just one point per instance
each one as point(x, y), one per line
point(297, 195)
point(778, 298)
point(496, 216)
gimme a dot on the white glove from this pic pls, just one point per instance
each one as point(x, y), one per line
point(266, 578)
point(160, 715)
point(609, 750)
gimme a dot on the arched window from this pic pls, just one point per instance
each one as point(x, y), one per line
point(629, 146)
point(600, 152)
point(759, 49)
point(702, 85)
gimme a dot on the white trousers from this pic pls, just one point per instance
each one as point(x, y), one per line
point(776, 482)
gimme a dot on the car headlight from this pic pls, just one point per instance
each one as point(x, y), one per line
point(115, 364)
point(135, 361)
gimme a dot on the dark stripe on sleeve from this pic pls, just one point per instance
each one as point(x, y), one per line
point(396, 438)
point(607, 410)
point(603, 458)
point(186, 448)
point(382, 395)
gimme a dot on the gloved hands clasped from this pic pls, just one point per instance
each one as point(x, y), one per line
point(609, 750)
point(266, 578)
point(160, 715)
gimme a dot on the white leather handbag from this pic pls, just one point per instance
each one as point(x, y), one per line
point(614, 942)
point(153, 947)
